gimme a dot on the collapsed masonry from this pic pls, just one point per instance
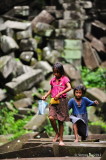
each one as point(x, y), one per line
point(31, 43)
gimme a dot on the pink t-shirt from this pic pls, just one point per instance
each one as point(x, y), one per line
point(57, 87)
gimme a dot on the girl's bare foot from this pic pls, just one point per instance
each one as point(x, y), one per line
point(61, 143)
point(76, 140)
point(56, 138)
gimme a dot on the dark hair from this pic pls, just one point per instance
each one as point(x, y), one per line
point(80, 87)
point(59, 67)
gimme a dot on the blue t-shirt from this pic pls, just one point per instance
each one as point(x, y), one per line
point(82, 108)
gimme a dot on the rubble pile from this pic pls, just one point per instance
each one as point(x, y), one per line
point(32, 40)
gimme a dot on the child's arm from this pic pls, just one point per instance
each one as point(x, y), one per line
point(90, 102)
point(46, 95)
point(64, 91)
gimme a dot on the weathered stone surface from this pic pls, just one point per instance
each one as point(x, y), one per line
point(72, 50)
point(59, 14)
point(21, 11)
point(29, 44)
point(8, 44)
point(87, 5)
point(98, 29)
point(50, 56)
point(4, 139)
point(9, 106)
point(26, 56)
point(50, 9)
point(25, 102)
point(24, 34)
point(73, 44)
point(79, 149)
point(2, 95)
point(70, 24)
point(72, 72)
point(27, 111)
point(69, 33)
point(39, 151)
point(8, 147)
point(61, 158)
point(96, 93)
point(73, 15)
point(44, 85)
point(36, 123)
point(43, 16)
point(7, 64)
point(25, 81)
point(98, 45)
point(103, 156)
point(90, 56)
point(44, 66)
point(43, 29)
point(17, 25)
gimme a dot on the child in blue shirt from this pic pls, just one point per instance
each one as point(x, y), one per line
point(79, 116)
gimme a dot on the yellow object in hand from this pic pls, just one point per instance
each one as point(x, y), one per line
point(53, 101)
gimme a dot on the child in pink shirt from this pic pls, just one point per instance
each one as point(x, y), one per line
point(58, 110)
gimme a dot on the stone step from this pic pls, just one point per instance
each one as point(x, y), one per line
point(72, 149)
point(65, 140)
point(82, 149)
point(60, 158)
point(34, 144)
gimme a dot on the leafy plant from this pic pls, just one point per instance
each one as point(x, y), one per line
point(99, 123)
point(8, 124)
point(96, 78)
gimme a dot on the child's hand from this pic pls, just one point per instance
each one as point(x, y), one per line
point(96, 102)
point(44, 97)
point(56, 97)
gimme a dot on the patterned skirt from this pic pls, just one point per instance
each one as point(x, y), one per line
point(60, 111)
point(82, 123)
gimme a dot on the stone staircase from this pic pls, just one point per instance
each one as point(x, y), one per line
point(43, 148)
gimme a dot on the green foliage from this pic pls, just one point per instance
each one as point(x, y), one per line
point(8, 125)
point(49, 128)
point(99, 123)
point(96, 78)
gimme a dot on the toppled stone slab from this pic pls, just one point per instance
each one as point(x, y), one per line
point(25, 81)
point(98, 29)
point(36, 123)
point(7, 64)
point(17, 25)
point(44, 16)
point(44, 66)
point(21, 11)
point(90, 56)
point(96, 93)
point(8, 44)
point(25, 102)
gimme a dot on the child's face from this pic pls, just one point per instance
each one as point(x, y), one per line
point(56, 73)
point(78, 94)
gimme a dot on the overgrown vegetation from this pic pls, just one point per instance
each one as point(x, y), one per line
point(96, 78)
point(99, 123)
point(8, 124)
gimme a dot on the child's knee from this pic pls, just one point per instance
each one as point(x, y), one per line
point(51, 118)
